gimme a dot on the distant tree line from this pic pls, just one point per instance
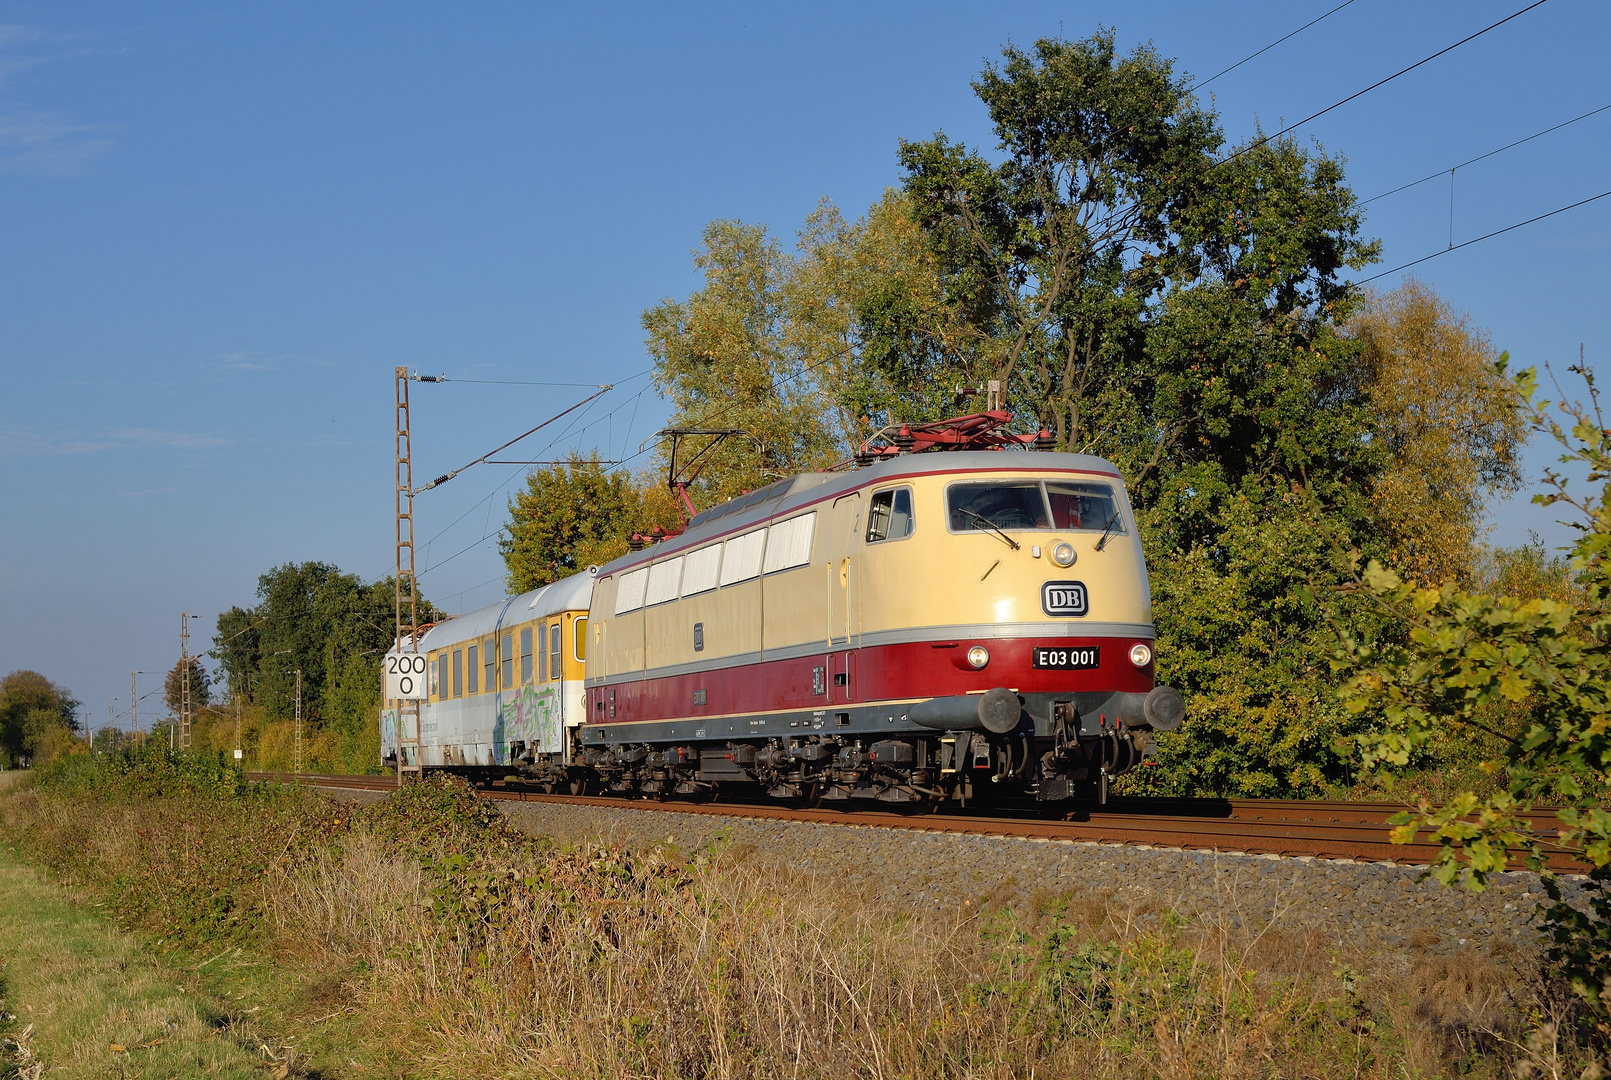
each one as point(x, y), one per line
point(1153, 295)
point(329, 624)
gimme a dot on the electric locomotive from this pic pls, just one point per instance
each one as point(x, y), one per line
point(955, 625)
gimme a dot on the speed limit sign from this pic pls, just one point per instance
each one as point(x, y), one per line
point(405, 676)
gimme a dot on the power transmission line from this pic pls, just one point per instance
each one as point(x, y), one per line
point(1485, 236)
point(1489, 154)
point(1381, 82)
point(1271, 45)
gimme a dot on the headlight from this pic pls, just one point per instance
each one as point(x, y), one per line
point(1063, 554)
point(978, 656)
point(1140, 655)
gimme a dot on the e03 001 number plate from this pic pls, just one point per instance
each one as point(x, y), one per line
point(1082, 659)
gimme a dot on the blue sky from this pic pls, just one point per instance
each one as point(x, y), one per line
point(222, 226)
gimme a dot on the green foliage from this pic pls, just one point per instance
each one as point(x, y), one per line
point(1107, 200)
point(1244, 636)
point(1534, 673)
point(186, 835)
point(569, 517)
point(35, 715)
point(731, 356)
point(313, 617)
point(147, 771)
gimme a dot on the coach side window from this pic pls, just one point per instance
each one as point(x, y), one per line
point(890, 515)
point(474, 669)
point(525, 656)
point(508, 660)
point(458, 672)
point(555, 641)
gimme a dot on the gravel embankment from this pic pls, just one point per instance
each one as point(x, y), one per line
point(1356, 902)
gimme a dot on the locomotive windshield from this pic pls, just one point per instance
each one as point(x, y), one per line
point(1065, 505)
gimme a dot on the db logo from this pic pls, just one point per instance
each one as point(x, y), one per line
point(1063, 598)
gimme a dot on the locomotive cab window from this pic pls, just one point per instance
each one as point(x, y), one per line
point(1080, 505)
point(890, 515)
point(1064, 505)
point(1003, 504)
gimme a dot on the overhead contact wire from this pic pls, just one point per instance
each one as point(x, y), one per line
point(1381, 82)
point(1485, 236)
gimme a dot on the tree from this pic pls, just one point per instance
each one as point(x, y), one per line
point(173, 687)
point(726, 357)
point(1534, 674)
point(1155, 297)
point(572, 516)
point(33, 710)
point(313, 617)
point(1448, 415)
point(865, 303)
point(1174, 306)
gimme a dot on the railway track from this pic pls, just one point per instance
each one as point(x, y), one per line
point(1319, 829)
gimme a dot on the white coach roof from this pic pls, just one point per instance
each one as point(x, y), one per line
point(574, 593)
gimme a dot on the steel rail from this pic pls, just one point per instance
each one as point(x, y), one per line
point(1323, 829)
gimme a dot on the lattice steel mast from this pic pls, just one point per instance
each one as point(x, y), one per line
point(408, 738)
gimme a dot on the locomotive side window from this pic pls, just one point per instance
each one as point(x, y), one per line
point(890, 515)
point(742, 558)
point(525, 656)
point(664, 580)
point(1077, 504)
point(1001, 504)
point(790, 543)
point(699, 572)
point(629, 591)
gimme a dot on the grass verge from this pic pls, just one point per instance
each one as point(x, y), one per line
point(78, 998)
point(425, 936)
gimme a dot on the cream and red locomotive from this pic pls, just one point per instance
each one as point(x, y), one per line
point(930, 626)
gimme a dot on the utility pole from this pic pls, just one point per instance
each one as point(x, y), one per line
point(408, 737)
point(297, 768)
point(184, 681)
point(236, 694)
point(134, 702)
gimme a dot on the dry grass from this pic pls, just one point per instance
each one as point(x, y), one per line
point(434, 927)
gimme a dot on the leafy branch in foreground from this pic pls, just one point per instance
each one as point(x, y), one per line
point(1536, 675)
